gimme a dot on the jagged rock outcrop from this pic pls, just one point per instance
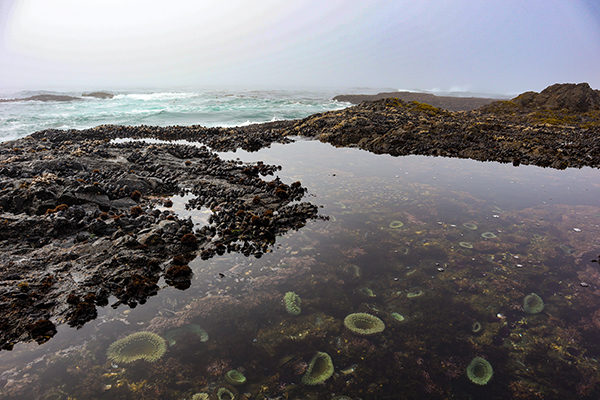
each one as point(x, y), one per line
point(446, 102)
point(99, 95)
point(571, 96)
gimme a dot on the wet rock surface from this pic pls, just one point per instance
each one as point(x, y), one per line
point(83, 219)
point(556, 128)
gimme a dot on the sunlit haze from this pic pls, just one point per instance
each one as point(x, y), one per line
point(487, 47)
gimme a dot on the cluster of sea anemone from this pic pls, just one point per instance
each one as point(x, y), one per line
point(137, 346)
point(292, 303)
point(364, 324)
point(319, 369)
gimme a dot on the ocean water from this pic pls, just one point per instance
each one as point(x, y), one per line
point(204, 107)
point(443, 251)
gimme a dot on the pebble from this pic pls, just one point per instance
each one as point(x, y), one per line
point(584, 284)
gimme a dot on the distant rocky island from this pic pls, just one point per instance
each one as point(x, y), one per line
point(450, 103)
point(55, 97)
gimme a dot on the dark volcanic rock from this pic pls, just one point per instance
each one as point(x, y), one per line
point(446, 102)
point(44, 97)
point(576, 97)
point(72, 234)
point(99, 95)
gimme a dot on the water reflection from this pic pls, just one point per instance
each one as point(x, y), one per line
point(442, 251)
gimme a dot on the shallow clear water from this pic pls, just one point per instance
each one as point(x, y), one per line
point(435, 269)
point(207, 108)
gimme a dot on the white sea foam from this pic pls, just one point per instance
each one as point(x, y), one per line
point(212, 108)
point(160, 96)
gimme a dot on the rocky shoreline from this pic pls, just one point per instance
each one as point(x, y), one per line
point(84, 215)
point(81, 219)
point(556, 128)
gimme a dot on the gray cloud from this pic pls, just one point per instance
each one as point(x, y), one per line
point(501, 47)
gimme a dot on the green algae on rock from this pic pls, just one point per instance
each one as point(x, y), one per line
point(319, 369)
point(364, 324)
point(137, 346)
point(479, 371)
point(292, 303)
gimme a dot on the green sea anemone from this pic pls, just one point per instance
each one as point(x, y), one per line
point(470, 225)
point(319, 369)
point(568, 250)
point(225, 392)
point(466, 245)
point(533, 304)
point(341, 398)
point(476, 327)
point(367, 292)
point(480, 371)
point(364, 324)
point(396, 224)
point(137, 346)
point(172, 335)
point(398, 317)
point(415, 293)
point(488, 235)
point(235, 377)
point(292, 303)
point(353, 271)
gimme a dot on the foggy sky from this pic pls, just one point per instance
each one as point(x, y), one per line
point(500, 47)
